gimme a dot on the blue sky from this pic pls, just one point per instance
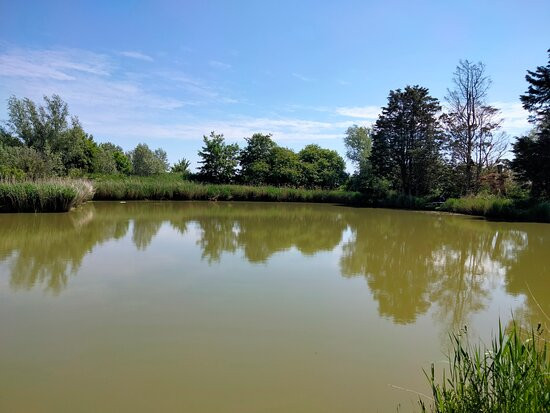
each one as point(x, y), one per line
point(167, 72)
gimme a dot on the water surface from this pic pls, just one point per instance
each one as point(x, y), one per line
point(249, 307)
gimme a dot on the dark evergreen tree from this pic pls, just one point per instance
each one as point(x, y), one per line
point(537, 97)
point(406, 141)
point(532, 152)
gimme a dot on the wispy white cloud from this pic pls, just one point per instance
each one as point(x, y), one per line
point(62, 64)
point(195, 86)
point(236, 128)
point(150, 104)
point(136, 55)
point(302, 77)
point(219, 65)
point(363, 112)
point(515, 118)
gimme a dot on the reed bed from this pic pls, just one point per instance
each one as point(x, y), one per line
point(177, 189)
point(499, 208)
point(511, 375)
point(56, 195)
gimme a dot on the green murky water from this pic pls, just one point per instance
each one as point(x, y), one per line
point(249, 307)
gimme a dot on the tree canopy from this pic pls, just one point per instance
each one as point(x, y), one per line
point(532, 152)
point(219, 160)
point(407, 139)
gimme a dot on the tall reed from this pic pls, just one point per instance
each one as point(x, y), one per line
point(159, 188)
point(512, 375)
point(57, 195)
point(499, 208)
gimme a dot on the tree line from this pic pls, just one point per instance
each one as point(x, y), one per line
point(418, 146)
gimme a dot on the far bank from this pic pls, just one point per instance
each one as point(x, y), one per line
point(63, 194)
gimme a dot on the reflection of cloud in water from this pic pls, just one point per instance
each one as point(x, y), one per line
point(409, 260)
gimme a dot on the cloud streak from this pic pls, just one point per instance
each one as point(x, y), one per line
point(515, 118)
point(63, 64)
point(302, 77)
point(219, 65)
point(362, 112)
point(136, 55)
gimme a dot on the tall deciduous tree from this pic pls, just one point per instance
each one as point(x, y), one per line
point(358, 144)
point(284, 167)
point(38, 126)
point(474, 140)
point(219, 160)
point(254, 158)
point(406, 141)
point(146, 162)
point(321, 168)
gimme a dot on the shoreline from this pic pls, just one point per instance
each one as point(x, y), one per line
point(62, 195)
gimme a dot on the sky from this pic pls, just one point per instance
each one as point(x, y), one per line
point(168, 72)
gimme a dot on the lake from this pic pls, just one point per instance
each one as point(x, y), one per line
point(250, 307)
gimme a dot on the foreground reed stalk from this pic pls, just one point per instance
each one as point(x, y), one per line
point(512, 375)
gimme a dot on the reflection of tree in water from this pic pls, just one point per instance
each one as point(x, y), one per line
point(413, 260)
point(143, 232)
point(393, 252)
point(529, 275)
point(470, 261)
point(46, 248)
point(409, 260)
point(262, 230)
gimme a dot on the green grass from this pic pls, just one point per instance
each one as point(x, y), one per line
point(499, 208)
point(44, 196)
point(512, 375)
point(174, 188)
point(63, 194)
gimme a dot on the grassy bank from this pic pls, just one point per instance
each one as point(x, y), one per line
point(44, 196)
point(63, 194)
point(167, 188)
point(511, 375)
point(498, 208)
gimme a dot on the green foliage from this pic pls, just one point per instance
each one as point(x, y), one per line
point(284, 167)
point(406, 141)
point(43, 196)
point(532, 152)
point(76, 148)
point(499, 208)
point(123, 162)
point(472, 205)
point(181, 167)
point(321, 168)
point(146, 162)
point(219, 160)
point(537, 97)
point(23, 162)
point(104, 162)
point(254, 159)
point(7, 139)
point(513, 375)
point(532, 162)
point(358, 144)
point(38, 126)
point(172, 187)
